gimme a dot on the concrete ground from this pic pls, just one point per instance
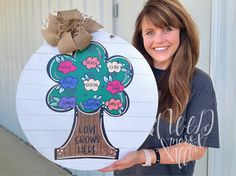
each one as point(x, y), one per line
point(19, 159)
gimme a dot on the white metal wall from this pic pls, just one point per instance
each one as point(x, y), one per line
point(223, 64)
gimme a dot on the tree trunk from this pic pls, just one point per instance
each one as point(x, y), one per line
point(87, 139)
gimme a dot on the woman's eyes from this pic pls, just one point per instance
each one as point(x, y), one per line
point(149, 33)
point(164, 30)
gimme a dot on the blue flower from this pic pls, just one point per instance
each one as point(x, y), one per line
point(92, 104)
point(68, 82)
point(67, 103)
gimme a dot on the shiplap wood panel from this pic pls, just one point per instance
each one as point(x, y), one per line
point(31, 106)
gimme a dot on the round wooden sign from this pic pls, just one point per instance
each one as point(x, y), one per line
point(85, 110)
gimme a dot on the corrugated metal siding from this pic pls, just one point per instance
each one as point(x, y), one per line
point(20, 25)
point(223, 64)
point(11, 62)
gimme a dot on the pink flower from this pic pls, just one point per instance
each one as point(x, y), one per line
point(91, 62)
point(66, 67)
point(115, 86)
point(113, 104)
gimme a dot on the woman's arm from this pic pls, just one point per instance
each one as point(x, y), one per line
point(175, 154)
point(181, 153)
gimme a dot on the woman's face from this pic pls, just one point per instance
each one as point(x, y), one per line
point(160, 43)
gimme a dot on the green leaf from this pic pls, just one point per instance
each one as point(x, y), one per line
point(58, 87)
point(58, 59)
point(110, 78)
point(62, 59)
point(54, 104)
point(56, 99)
point(124, 69)
point(86, 77)
point(98, 98)
point(105, 79)
point(61, 90)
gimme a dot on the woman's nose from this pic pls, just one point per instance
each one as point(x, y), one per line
point(158, 38)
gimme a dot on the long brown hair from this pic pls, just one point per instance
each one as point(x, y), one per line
point(175, 85)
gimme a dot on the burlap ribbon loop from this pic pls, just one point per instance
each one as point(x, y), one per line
point(69, 30)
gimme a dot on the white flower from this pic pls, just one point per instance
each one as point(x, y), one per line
point(91, 84)
point(114, 67)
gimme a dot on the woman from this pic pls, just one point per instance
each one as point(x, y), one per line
point(186, 123)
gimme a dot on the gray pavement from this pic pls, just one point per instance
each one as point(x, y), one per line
point(19, 159)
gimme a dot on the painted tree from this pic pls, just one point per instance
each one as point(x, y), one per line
point(90, 83)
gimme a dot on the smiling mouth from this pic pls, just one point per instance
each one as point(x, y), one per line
point(161, 48)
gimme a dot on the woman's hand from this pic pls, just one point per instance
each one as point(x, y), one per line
point(175, 154)
point(131, 159)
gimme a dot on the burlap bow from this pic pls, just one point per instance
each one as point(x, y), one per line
point(69, 30)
